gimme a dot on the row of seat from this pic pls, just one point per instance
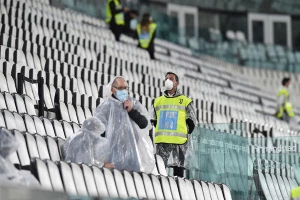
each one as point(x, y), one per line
point(83, 180)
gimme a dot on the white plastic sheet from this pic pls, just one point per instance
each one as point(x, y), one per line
point(130, 146)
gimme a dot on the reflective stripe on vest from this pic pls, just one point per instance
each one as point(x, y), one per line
point(171, 119)
point(145, 37)
point(119, 18)
point(288, 107)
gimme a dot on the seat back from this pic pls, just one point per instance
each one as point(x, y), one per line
point(89, 180)
point(182, 188)
point(219, 192)
point(67, 178)
point(139, 185)
point(161, 165)
point(130, 185)
point(148, 186)
point(100, 182)
point(198, 190)
point(166, 187)
point(190, 190)
point(157, 188)
point(206, 191)
point(110, 182)
point(42, 147)
point(55, 176)
point(79, 180)
point(53, 149)
point(42, 174)
point(119, 180)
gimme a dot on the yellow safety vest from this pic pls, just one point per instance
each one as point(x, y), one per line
point(295, 193)
point(171, 119)
point(287, 105)
point(119, 18)
point(145, 38)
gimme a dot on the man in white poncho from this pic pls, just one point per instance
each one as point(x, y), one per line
point(126, 124)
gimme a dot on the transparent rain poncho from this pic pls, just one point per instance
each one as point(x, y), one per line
point(9, 175)
point(130, 146)
point(87, 146)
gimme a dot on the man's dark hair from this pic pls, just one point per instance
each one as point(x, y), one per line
point(135, 12)
point(285, 80)
point(176, 77)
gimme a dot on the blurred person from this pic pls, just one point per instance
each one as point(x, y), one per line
point(284, 107)
point(131, 21)
point(145, 34)
point(174, 117)
point(295, 193)
point(115, 17)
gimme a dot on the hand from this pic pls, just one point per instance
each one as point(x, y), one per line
point(109, 165)
point(127, 105)
point(125, 9)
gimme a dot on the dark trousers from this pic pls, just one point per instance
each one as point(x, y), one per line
point(178, 171)
point(151, 53)
point(116, 30)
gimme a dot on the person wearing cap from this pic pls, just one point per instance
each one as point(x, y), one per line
point(284, 107)
point(174, 117)
point(145, 34)
point(126, 122)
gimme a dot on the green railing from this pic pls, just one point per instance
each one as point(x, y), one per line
point(224, 155)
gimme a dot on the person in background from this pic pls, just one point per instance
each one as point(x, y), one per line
point(284, 107)
point(145, 34)
point(131, 21)
point(174, 117)
point(115, 17)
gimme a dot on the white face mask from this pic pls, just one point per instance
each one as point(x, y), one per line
point(133, 24)
point(168, 85)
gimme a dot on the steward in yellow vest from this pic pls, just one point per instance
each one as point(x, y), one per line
point(145, 33)
point(174, 117)
point(284, 107)
point(295, 193)
point(115, 17)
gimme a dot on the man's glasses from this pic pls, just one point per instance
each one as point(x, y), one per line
point(121, 88)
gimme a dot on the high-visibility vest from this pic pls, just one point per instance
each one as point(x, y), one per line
point(288, 107)
point(145, 38)
point(171, 119)
point(295, 193)
point(119, 18)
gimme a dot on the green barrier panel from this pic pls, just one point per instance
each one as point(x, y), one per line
point(253, 168)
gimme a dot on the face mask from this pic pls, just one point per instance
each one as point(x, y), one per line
point(121, 95)
point(133, 24)
point(168, 84)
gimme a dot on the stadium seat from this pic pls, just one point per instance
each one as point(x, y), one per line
point(160, 165)
point(130, 186)
point(110, 183)
point(206, 191)
point(79, 180)
point(22, 150)
point(166, 187)
point(53, 149)
point(89, 180)
point(40, 171)
point(120, 184)
point(149, 187)
point(67, 178)
point(55, 177)
point(100, 183)
point(139, 185)
point(198, 190)
point(182, 188)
